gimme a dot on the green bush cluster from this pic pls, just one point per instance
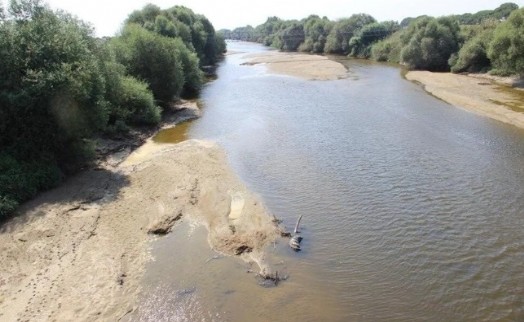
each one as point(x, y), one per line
point(489, 40)
point(506, 50)
point(60, 87)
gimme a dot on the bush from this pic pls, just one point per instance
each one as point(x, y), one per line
point(360, 44)
point(473, 56)
point(195, 30)
point(139, 102)
point(152, 58)
point(428, 43)
point(51, 98)
point(20, 181)
point(506, 51)
point(337, 41)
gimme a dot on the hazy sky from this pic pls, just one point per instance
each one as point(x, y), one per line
point(108, 15)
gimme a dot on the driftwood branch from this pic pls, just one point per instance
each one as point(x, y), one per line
point(298, 224)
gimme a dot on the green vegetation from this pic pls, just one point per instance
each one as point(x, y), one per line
point(489, 40)
point(61, 87)
point(428, 43)
point(338, 38)
point(507, 48)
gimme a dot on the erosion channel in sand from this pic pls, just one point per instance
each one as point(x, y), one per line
point(89, 238)
point(478, 95)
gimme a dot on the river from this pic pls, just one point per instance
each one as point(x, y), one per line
point(413, 209)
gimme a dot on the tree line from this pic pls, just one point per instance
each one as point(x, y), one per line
point(489, 40)
point(61, 87)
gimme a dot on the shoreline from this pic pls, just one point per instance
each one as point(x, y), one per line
point(78, 252)
point(479, 95)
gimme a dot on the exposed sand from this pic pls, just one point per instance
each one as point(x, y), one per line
point(77, 253)
point(478, 95)
point(311, 67)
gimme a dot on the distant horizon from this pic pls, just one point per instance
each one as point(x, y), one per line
point(107, 16)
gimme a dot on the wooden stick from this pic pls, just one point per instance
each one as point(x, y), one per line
point(298, 223)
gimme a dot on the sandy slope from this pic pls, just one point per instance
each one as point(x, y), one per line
point(77, 253)
point(477, 95)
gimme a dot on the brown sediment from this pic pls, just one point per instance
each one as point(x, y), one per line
point(311, 67)
point(77, 253)
point(482, 96)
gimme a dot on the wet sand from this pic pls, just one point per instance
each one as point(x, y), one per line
point(77, 253)
point(478, 95)
point(311, 67)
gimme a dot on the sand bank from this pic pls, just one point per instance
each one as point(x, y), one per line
point(311, 67)
point(77, 253)
point(478, 95)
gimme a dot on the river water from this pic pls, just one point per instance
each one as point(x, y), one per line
point(413, 209)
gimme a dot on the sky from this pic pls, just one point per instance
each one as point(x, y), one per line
point(107, 15)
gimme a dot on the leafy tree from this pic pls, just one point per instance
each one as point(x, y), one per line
point(165, 27)
point(360, 44)
point(428, 43)
point(51, 98)
point(472, 56)
point(316, 30)
point(152, 58)
point(338, 39)
point(195, 30)
point(246, 33)
point(291, 37)
point(266, 33)
point(506, 51)
point(500, 13)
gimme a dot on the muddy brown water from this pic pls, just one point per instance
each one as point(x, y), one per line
point(413, 209)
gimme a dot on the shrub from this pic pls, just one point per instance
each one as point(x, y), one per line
point(473, 56)
point(506, 51)
point(152, 58)
point(428, 43)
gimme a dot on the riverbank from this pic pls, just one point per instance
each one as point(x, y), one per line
point(77, 253)
point(478, 95)
point(310, 67)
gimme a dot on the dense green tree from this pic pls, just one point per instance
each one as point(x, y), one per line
point(388, 49)
point(360, 44)
point(195, 30)
point(153, 58)
point(500, 13)
point(428, 43)
point(316, 30)
point(246, 33)
point(337, 41)
point(266, 33)
point(506, 51)
point(51, 98)
point(291, 37)
point(473, 56)
point(60, 87)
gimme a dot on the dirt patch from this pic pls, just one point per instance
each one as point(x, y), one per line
point(473, 94)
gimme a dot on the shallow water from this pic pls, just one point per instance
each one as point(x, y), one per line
point(413, 209)
point(175, 134)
